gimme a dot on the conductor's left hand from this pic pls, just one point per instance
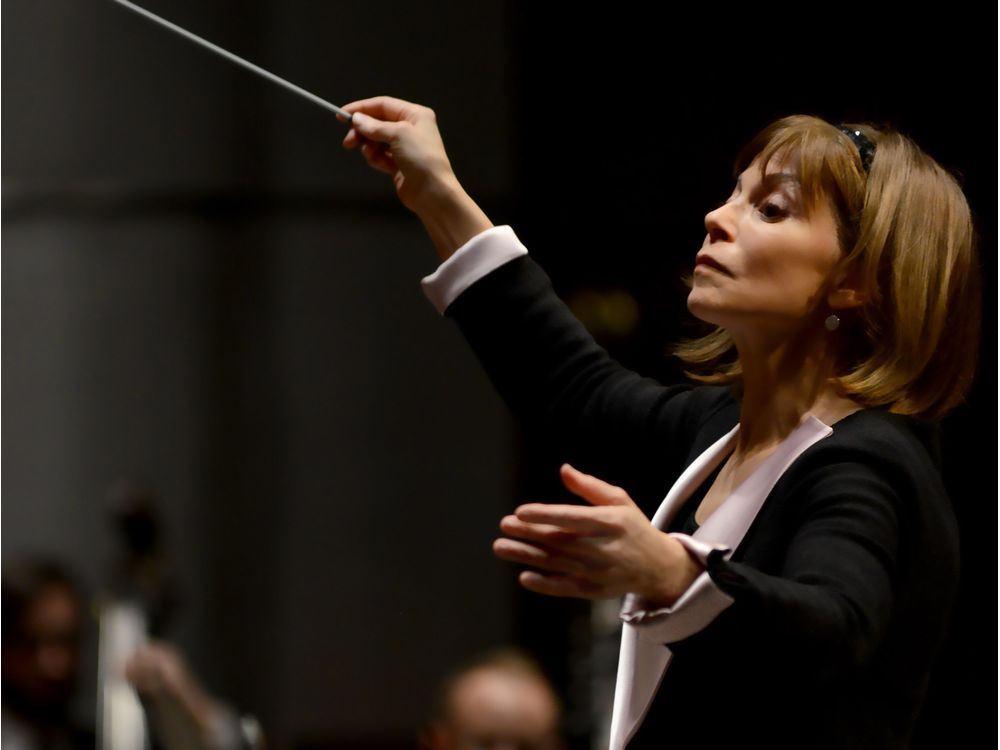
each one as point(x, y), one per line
point(596, 552)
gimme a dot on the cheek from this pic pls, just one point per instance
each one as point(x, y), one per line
point(791, 280)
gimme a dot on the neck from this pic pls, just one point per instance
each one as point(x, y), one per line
point(784, 381)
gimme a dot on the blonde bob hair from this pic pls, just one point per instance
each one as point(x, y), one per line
point(906, 230)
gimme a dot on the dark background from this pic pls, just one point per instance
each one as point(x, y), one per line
point(206, 294)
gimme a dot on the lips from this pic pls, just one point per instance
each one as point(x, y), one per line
point(704, 259)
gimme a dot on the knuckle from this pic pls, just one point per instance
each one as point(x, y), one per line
point(612, 518)
point(561, 536)
point(611, 548)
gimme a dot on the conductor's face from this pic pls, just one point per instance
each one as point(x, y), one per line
point(765, 265)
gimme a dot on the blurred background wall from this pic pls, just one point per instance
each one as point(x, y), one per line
point(204, 293)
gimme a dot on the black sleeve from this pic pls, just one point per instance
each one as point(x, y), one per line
point(561, 384)
point(829, 603)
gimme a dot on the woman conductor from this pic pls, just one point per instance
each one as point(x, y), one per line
point(777, 525)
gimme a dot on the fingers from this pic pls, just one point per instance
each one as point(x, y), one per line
point(371, 129)
point(559, 585)
point(383, 107)
point(379, 118)
point(353, 139)
point(376, 154)
point(592, 489)
point(576, 518)
point(539, 557)
point(555, 540)
point(572, 567)
point(538, 532)
point(378, 157)
point(579, 549)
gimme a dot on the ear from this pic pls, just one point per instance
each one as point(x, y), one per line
point(846, 290)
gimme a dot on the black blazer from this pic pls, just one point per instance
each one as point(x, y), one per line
point(843, 585)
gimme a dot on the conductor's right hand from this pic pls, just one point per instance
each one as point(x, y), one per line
point(401, 138)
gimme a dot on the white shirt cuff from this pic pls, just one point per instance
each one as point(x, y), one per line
point(693, 611)
point(483, 253)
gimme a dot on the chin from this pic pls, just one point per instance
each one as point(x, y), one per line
point(702, 311)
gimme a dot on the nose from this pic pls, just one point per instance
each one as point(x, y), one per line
point(718, 224)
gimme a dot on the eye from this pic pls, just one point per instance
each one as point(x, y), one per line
point(773, 210)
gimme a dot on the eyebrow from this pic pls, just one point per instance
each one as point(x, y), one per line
point(779, 177)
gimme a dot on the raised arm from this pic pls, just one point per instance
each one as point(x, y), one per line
point(545, 365)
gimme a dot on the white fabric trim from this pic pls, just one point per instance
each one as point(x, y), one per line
point(701, 603)
point(483, 253)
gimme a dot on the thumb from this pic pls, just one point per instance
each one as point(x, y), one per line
point(372, 129)
point(593, 490)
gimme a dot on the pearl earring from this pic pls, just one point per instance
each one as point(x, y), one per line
point(832, 322)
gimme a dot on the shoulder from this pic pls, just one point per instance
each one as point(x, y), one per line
point(895, 442)
point(883, 458)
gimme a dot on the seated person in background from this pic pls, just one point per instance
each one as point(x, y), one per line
point(498, 701)
point(42, 632)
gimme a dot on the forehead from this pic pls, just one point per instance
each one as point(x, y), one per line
point(779, 172)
